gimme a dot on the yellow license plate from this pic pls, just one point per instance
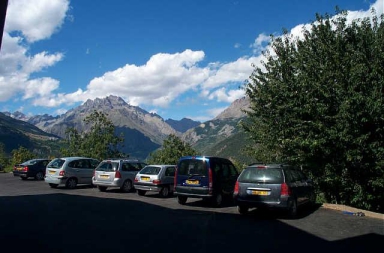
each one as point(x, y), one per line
point(262, 193)
point(145, 178)
point(52, 172)
point(19, 169)
point(192, 181)
point(104, 176)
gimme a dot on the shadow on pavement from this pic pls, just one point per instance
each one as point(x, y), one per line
point(70, 223)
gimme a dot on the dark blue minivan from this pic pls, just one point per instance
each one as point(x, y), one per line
point(206, 177)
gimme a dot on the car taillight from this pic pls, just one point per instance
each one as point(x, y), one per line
point(285, 190)
point(94, 172)
point(62, 173)
point(236, 190)
point(25, 169)
point(156, 181)
point(136, 179)
point(210, 182)
point(117, 174)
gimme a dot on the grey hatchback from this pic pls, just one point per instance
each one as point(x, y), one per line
point(157, 178)
point(116, 173)
point(276, 186)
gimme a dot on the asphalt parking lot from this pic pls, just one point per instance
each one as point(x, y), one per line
point(36, 218)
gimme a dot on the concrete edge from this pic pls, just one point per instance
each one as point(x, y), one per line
point(352, 210)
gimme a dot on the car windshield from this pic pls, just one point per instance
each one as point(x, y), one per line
point(56, 163)
point(261, 175)
point(150, 170)
point(108, 166)
point(192, 167)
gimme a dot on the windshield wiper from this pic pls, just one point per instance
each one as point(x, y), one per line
point(193, 175)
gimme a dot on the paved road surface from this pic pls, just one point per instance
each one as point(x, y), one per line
point(36, 218)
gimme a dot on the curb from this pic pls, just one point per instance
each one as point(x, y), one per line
point(353, 211)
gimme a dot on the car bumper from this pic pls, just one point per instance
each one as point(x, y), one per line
point(55, 180)
point(114, 183)
point(20, 174)
point(283, 203)
point(193, 192)
point(155, 188)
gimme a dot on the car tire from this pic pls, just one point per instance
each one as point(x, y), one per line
point(164, 193)
point(182, 200)
point(71, 183)
point(102, 188)
point(242, 209)
point(127, 186)
point(39, 175)
point(141, 192)
point(53, 185)
point(292, 211)
point(217, 200)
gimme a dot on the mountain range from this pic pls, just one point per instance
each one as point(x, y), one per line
point(143, 132)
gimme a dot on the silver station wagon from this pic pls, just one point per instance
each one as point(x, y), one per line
point(70, 171)
point(156, 178)
point(116, 173)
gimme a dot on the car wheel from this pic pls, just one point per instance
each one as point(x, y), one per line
point(182, 200)
point(127, 186)
point(242, 209)
point(71, 183)
point(23, 178)
point(292, 212)
point(164, 192)
point(39, 175)
point(53, 185)
point(217, 200)
point(102, 188)
point(141, 192)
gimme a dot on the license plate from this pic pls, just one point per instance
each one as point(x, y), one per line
point(262, 193)
point(52, 172)
point(19, 169)
point(192, 181)
point(104, 176)
point(145, 178)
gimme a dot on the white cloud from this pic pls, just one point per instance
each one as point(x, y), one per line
point(37, 19)
point(163, 78)
point(34, 20)
point(260, 43)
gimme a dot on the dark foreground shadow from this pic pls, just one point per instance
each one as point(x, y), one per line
point(70, 223)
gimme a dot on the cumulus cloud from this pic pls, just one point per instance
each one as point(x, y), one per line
point(37, 19)
point(163, 78)
point(28, 22)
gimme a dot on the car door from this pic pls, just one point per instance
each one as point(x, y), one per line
point(228, 177)
point(169, 176)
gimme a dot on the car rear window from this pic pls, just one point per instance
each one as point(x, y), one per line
point(108, 166)
point(56, 163)
point(30, 162)
point(190, 167)
point(261, 175)
point(150, 170)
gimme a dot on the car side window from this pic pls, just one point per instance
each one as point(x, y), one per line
point(93, 163)
point(232, 170)
point(170, 172)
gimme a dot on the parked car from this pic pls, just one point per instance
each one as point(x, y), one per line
point(157, 178)
point(207, 177)
point(32, 168)
point(70, 171)
point(116, 173)
point(273, 186)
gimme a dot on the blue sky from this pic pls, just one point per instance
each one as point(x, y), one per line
point(177, 58)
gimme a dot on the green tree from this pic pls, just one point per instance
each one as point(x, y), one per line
point(318, 102)
point(21, 155)
point(99, 142)
point(172, 149)
point(3, 156)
